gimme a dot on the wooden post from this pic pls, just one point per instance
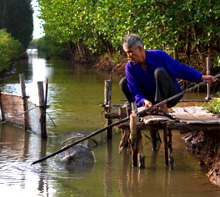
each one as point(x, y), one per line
point(24, 98)
point(2, 111)
point(128, 109)
point(171, 149)
point(42, 109)
point(46, 92)
point(165, 146)
point(122, 112)
point(107, 102)
point(124, 133)
point(133, 134)
point(106, 91)
point(208, 97)
point(133, 138)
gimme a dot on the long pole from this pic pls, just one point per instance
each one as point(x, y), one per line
point(120, 121)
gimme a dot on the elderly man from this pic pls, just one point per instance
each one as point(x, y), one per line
point(151, 75)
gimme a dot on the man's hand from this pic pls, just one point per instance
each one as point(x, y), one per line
point(147, 104)
point(209, 78)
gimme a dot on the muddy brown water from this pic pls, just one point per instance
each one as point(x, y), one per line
point(75, 93)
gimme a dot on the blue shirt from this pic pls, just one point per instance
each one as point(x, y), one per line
point(154, 59)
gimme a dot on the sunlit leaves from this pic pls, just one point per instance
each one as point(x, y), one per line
point(9, 49)
point(158, 22)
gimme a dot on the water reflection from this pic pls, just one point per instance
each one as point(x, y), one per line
point(17, 149)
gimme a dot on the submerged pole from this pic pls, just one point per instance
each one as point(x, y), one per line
point(107, 102)
point(24, 98)
point(42, 109)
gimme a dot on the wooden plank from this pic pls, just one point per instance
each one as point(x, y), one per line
point(194, 115)
point(154, 118)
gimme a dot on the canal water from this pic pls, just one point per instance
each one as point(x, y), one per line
point(75, 92)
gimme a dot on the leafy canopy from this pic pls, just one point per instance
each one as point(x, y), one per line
point(162, 24)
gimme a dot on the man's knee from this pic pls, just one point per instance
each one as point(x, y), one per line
point(159, 72)
point(123, 83)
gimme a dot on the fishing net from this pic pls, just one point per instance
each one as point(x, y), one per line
point(12, 111)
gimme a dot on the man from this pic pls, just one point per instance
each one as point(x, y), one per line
point(151, 75)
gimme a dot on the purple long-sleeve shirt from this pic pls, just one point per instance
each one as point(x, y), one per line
point(154, 59)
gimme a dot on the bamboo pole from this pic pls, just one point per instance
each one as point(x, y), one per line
point(107, 102)
point(208, 97)
point(119, 122)
point(24, 98)
point(2, 111)
point(42, 109)
point(133, 138)
point(46, 93)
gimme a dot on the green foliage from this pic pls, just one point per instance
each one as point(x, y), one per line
point(216, 62)
point(16, 16)
point(213, 105)
point(163, 24)
point(9, 49)
point(51, 47)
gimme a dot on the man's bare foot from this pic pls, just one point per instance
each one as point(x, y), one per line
point(164, 108)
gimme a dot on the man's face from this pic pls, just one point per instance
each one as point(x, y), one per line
point(134, 54)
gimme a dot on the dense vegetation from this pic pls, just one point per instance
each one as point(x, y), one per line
point(50, 47)
point(16, 28)
point(9, 49)
point(176, 26)
point(16, 16)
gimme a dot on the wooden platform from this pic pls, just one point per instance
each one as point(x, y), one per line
point(194, 115)
point(184, 119)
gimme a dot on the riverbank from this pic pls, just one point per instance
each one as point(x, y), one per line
point(206, 146)
point(6, 73)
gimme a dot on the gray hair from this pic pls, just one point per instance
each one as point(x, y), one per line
point(132, 41)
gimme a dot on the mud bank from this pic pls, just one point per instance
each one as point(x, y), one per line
point(111, 64)
point(6, 73)
point(206, 146)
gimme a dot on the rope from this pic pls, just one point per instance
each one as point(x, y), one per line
point(18, 115)
point(51, 120)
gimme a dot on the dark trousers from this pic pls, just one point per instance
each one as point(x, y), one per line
point(165, 88)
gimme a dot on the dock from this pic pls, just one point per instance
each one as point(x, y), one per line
point(181, 119)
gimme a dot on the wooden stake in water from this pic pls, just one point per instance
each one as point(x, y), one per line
point(24, 98)
point(107, 102)
point(42, 109)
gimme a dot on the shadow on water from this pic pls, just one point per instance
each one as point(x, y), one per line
point(75, 93)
